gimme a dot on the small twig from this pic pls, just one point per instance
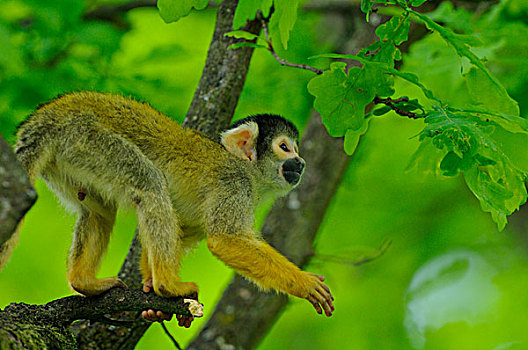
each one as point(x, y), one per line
point(170, 336)
point(390, 103)
point(281, 60)
point(357, 259)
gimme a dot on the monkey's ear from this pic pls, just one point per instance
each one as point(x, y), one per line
point(242, 141)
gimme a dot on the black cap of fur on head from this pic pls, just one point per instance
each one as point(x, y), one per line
point(269, 126)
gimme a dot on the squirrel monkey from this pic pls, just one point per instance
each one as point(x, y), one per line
point(99, 151)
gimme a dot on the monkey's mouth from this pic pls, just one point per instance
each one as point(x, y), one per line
point(292, 177)
point(292, 170)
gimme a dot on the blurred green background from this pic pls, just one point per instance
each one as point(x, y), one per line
point(449, 280)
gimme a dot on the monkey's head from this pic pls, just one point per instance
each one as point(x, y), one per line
point(270, 143)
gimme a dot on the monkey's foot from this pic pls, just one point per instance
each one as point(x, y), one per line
point(160, 316)
point(96, 286)
point(175, 289)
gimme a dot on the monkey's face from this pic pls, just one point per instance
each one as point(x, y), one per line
point(269, 143)
point(290, 166)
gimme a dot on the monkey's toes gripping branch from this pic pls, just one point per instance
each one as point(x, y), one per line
point(195, 308)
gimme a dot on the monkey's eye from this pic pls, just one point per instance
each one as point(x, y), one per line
point(284, 147)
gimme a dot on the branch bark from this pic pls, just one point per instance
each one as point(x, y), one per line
point(223, 77)
point(25, 326)
point(16, 193)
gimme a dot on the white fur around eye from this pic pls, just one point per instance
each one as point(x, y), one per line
point(280, 152)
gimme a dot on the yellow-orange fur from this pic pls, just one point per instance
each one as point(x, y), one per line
point(256, 260)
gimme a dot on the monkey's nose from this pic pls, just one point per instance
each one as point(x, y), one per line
point(301, 163)
point(294, 165)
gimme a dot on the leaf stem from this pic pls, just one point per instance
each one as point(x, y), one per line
point(390, 103)
point(282, 61)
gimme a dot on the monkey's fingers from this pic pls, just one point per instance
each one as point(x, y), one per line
point(327, 290)
point(184, 321)
point(152, 315)
point(323, 295)
point(327, 296)
point(147, 285)
point(163, 316)
point(325, 303)
point(324, 291)
point(156, 316)
point(315, 304)
point(321, 278)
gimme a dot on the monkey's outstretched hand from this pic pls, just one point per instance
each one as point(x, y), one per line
point(160, 316)
point(320, 296)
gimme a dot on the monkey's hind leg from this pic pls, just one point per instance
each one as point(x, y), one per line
point(90, 240)
point(161, 248)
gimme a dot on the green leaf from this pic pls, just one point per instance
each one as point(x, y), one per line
point(391, 34)
point(487, 96)
point(426, 159)
point(509, 123)
point(366, 7)
point(411, 106)
point(416, 3)
point(247, 10)
point(244, 44)
point(395, 30)
point(330, 93)
point(284, 18)
point(242, 34)
point(173, 10)
point(410, 77)
point(450, 164)
point(382, 110)
point(462, 44)
point(341, 97)
point(500, 190)
point(352, 138)
point(471, 149)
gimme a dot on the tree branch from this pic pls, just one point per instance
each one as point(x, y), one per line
point(77, 307)
point(223, 77)
point(16, 193)
point(54, 317)
point(389, 102)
